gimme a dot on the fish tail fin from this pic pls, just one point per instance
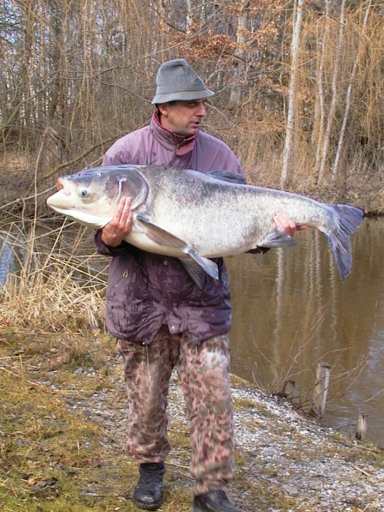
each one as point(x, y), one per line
point(348, 219)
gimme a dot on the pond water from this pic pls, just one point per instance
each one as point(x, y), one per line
point(292, 311)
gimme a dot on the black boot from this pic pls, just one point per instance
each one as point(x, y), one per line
point(213, 501)
point(148, 493)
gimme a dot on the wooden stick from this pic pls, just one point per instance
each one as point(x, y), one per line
point(362, 427)
point(321, 389)
point(291, 392)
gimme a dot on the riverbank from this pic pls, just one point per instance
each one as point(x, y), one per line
point(62, 439)
point(360, 186)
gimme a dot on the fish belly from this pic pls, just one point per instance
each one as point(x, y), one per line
point(143, 242)
point(212, 232)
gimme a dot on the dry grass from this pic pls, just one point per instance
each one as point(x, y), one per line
point(54, 301)
point(49, 299)
point(54, 290)
point(51, 326)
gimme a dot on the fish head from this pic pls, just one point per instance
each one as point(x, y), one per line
point(92, 196)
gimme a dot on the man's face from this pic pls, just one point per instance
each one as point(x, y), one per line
point(183, 117)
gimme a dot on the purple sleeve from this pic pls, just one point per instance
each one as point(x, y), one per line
point(106, 250)
point(233, 164)
point(115, 156)
point(216, 155)
point(238, 168)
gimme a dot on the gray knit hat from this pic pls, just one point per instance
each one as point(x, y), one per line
point(176, 80)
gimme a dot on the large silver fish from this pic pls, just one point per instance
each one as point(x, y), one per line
point(195, 216)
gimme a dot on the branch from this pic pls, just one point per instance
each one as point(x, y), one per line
point(83, 155)
point(166, 21)
point(126, 90)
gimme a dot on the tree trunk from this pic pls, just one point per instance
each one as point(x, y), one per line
point(295, 49)
point(332, 108)
point(349, 95)
point(56, 100)
point(320, 75)
point(240, 62)
point(27, 66)
point(188, 17)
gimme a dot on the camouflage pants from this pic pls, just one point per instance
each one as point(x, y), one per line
point(204, 378)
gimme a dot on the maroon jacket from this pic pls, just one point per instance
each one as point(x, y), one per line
point(145, 290)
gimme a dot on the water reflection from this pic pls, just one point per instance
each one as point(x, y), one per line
point(292, 311)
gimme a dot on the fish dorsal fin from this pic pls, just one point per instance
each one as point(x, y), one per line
point(230, 176)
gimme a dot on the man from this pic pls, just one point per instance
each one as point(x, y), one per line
point(159, 315)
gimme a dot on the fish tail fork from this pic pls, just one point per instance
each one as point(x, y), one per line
point(347, 220)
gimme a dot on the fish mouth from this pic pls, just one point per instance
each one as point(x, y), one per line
point(58, 200)
point(62, 204)
point(80, 216)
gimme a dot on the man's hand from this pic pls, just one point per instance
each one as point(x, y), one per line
point(286, 225)
point(120, 225)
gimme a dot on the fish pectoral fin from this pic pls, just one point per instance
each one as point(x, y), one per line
point(160, 235)
point(165, 238)
point(209, 266)
point(195, 271)
point(276, 239)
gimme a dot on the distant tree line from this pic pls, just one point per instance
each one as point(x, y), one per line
point(299, 83)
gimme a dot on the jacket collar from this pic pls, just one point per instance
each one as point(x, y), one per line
point(181, 145)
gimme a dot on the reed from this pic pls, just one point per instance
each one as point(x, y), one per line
point(54, 289)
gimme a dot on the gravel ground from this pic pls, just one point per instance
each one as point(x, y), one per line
point(280, 453)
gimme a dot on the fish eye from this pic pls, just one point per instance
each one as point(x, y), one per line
point(84, 193)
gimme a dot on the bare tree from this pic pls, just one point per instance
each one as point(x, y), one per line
point(349, 95)
point(332, 108)
point(320, 94)
point(240, 55)
point(86, 70)
point(188, 17)
point(295, 48)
